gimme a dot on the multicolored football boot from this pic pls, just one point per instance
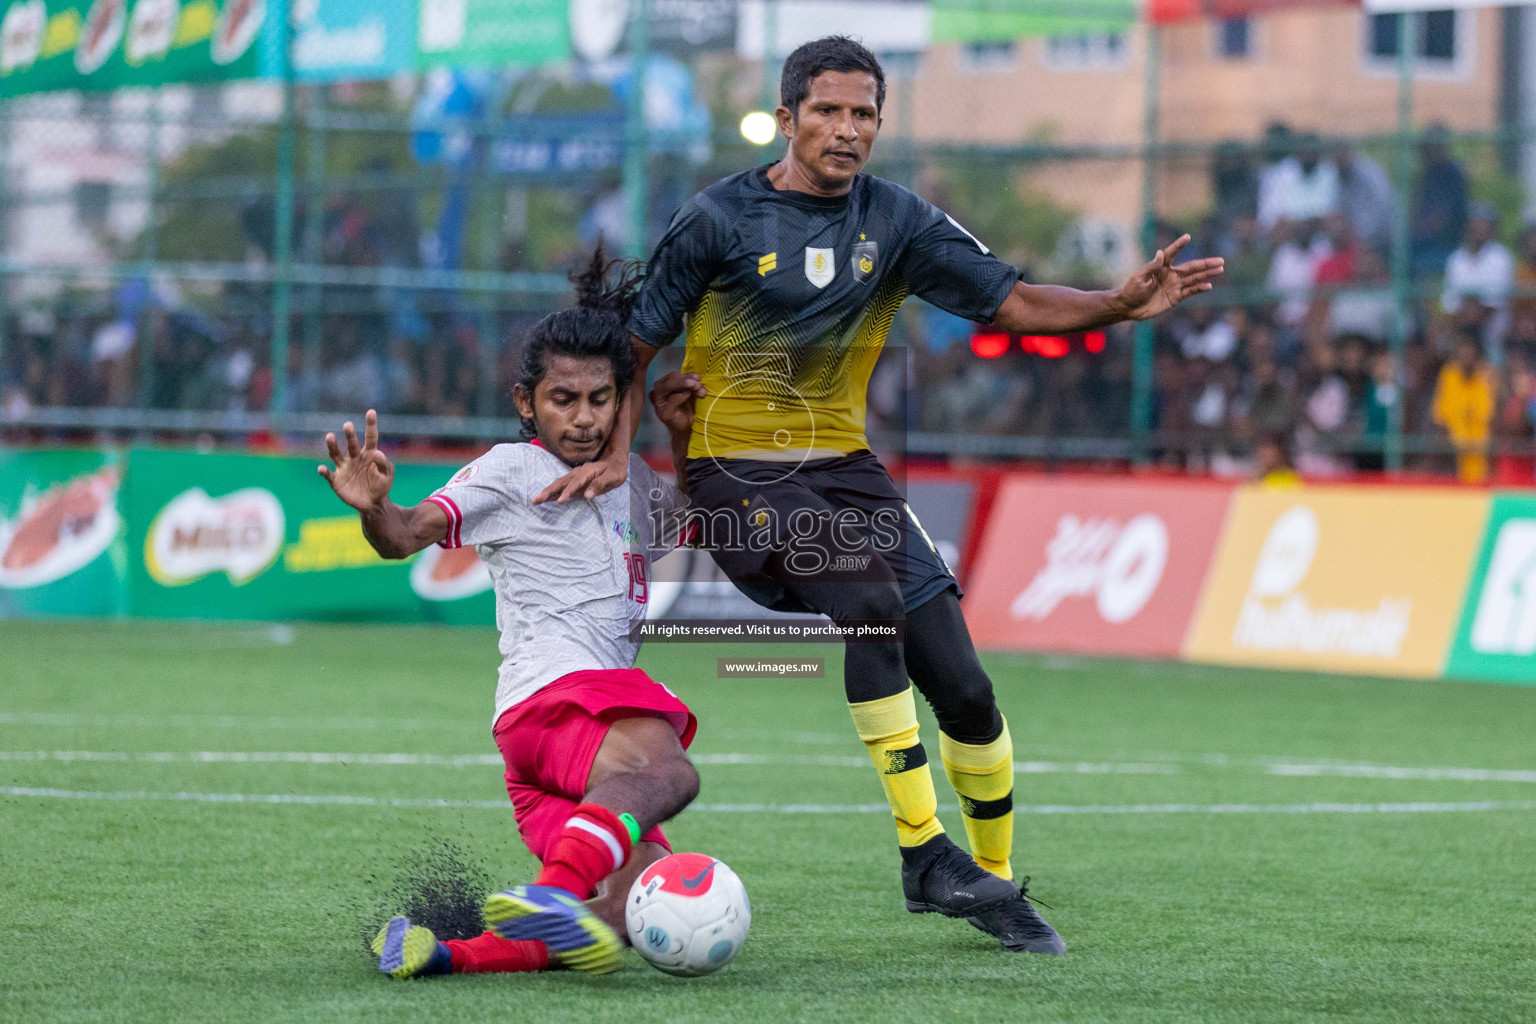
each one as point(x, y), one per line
point(577, 938)
point(408, 950)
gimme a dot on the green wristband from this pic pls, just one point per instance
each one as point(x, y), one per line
point(633, 826)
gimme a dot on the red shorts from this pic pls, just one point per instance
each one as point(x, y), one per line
point(550, 740)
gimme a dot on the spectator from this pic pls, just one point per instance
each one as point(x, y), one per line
point(354, 381)
point(1205, 333)
point(1525, 274)
point(1380, 399)
point(1272, 462)
point(1293, 270)
point(1440, 205)
point(1463, 407)
point(1248, 258)
point(1234, 183)
point(1366, 198)
point(1484, 271)
point(1516, 422)
point(400, 378)
point(1522, 334)
point(1303, 187)
point(1362, 305)
point(1266, 407)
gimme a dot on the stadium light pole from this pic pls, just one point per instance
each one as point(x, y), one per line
point(635, 184)
point(1402, 271)
point(282, 228)
point(1141, 365)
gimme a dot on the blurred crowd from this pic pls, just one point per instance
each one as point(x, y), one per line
point(1289, 363)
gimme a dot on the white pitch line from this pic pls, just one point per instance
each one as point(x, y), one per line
point(256, 757)
point(1383, 771)
point(71, 720)
point(1283, 768)
point(494, 760)
point(329, 799)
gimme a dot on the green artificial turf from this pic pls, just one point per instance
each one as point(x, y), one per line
point(1284, 908)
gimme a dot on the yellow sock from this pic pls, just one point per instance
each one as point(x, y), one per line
point(888, 727)
point(982, 775)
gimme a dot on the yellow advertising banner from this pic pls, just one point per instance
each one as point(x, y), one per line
point(1346, 579)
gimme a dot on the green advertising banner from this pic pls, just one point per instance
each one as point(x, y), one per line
point(108, 44)
point(259, 537)
point(1497, 636)
point(982, 21)
point(61, 534)
point(480, 33)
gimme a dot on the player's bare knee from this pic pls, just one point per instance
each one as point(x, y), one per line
point(682, 782)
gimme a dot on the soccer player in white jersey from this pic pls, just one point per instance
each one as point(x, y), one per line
point(594, 748)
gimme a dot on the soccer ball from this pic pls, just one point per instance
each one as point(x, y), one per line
point(687, 914)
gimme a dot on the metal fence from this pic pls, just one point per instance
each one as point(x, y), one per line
point(259, 260)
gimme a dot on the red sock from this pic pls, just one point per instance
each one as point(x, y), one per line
point(593, 845)
point(489, 953)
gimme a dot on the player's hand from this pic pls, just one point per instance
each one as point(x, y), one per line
point(1159, 286)
point(673, 397)
point(363, 474)
point(588, 481)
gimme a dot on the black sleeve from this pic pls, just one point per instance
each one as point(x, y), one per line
point(686, 259)
point(946, 265)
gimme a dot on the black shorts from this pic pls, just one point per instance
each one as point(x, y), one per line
point(758, 517)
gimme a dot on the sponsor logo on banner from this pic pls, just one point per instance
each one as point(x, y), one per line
point(1111, 567)
point(151, 27)
point(1505, 621)
point(195, 535)
point(104, 26)
point(21, 35)
point(1118, 565)
point(239, 21)
point(449, 574)
point(1277, 617)
point(59, 531)
point(1497, 636)
point(324, 545)
point(1351, 579)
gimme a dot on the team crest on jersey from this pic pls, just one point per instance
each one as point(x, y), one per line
point(865, 256)
point(466, 474)
point(820, 266)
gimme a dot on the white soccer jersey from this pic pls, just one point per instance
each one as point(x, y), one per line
point(570, 579)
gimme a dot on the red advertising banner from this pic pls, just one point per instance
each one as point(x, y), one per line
point(1094, 566)
point(1165, 12)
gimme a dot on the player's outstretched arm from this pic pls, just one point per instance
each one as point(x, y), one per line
point(673, 397)
point(362, 478)
point(603, 474)
point(1155, 288)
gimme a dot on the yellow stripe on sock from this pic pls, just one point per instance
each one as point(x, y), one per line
point(888, 729)
point(978, 772)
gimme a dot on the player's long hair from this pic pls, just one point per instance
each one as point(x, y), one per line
point(596, 327)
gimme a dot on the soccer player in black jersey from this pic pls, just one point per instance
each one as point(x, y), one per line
point(788, 277)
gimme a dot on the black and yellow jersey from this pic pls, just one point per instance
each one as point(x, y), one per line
point(788, 299)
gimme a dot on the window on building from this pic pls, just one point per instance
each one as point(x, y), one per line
point(1086, 51)
point(1234, 38)
point(1439, 38)
point(988, 58)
